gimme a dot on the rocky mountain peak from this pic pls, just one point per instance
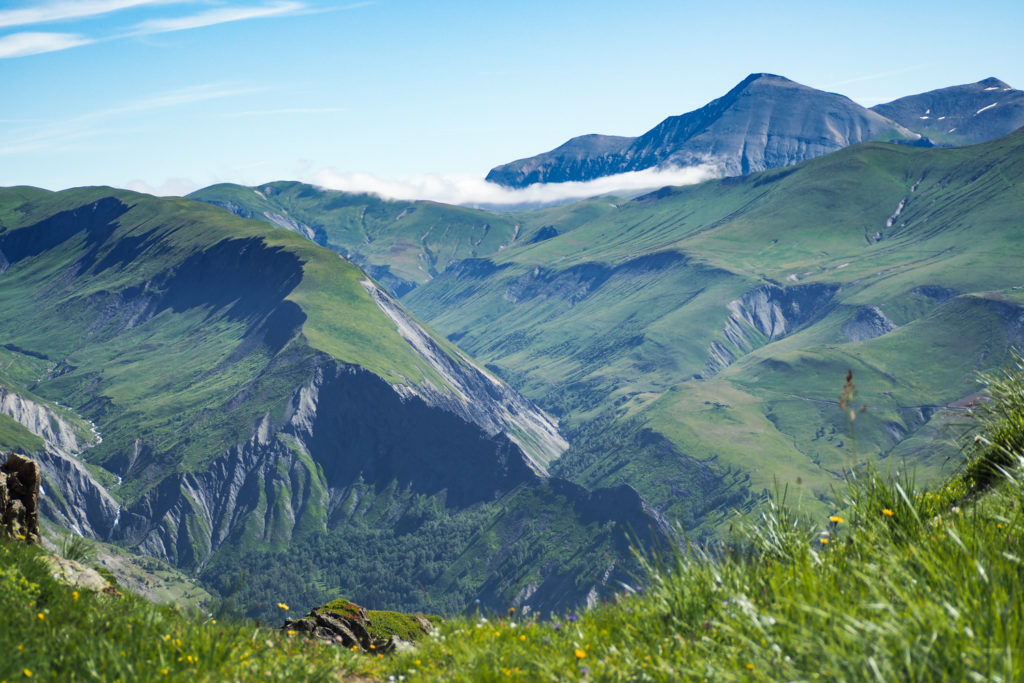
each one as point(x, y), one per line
point(765, 121)
point(960, 114)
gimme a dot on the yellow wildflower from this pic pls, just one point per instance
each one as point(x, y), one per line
point(823, 540)
point(887, 512)
point(522, 637)
point(580, 654)
point(28, 673)
point(41, 616)
point(750, 666)
point(74, 595)
point(283, 606)
point(835, 519)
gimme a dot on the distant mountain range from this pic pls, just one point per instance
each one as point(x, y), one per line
point(768, 121)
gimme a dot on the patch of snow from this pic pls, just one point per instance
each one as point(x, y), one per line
point(927, 111)
point(984, 108)
point(994, 87)
point(260, 194)
point(843, 265)
point(792, 277)
point(951, 130)
point(924, 117)
point(941, 118)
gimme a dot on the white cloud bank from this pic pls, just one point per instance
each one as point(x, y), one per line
point(475, 191)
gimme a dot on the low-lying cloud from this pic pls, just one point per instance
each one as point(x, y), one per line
point(475, 191)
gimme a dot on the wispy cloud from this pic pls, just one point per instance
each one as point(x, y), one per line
point(475, 191)
point(172, 98)
point(61, 11)
point(30, 43)
point(291, 110)
point(217, 16)
point(57, 134)
point(172, 187)
point(876, 76)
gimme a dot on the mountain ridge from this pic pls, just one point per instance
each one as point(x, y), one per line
point(960, 114)
point(765, 121)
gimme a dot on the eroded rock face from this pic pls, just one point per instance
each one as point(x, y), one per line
point(81, 503)
point(19, 498)
point(765, 314)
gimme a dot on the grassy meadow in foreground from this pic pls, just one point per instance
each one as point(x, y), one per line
point(899, 584)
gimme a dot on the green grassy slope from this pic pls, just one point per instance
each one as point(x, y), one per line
point(616, 318)
point(242, 380)
point(401, 243)
point(81, 290)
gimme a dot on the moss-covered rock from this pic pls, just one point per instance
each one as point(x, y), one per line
point(344, 622)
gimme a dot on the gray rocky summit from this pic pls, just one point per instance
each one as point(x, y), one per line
point(766, 121)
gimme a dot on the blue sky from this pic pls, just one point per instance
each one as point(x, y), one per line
point(171, 95)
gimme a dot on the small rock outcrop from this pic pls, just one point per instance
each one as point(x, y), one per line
point(867, 323)
point(352, 626)
point(19, 498)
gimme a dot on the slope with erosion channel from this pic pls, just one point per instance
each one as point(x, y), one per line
point(256, 395)
point(655, 318)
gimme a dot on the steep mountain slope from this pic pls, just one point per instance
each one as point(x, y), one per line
point(705, 331)
point(256, 398)
point(766, 121)
point(961, 114)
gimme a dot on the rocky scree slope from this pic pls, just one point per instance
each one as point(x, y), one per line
point(250, 389)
